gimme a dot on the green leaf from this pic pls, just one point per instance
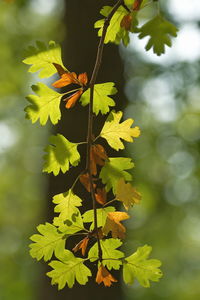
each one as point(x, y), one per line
point(67, 270)
point(159, 31)
point(67, 204)
point(111, 256)
point(102, 101)
point(113, 131)
point(102, 213)
point(43, 57)
point(70, 226)
point(45, 104)
point(139, 266)
point(48, 242)
point(60, 154)
point(114, 170)
point(114, 28)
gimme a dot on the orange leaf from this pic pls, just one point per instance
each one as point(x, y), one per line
point(126, 22)
point(104, 276)
point(113, 224)
point(66, 79)
point(71, 101)
point(83, 78)
point(137, 4)
point(101, 196)
point(84, 179)
point(82, 245)
point(97, 157)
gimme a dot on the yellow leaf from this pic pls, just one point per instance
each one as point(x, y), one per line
point(127, 194)
point(113, 224)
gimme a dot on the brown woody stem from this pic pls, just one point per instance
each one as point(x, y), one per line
point(90, 116)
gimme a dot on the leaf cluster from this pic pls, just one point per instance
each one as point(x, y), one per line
point(106, 179)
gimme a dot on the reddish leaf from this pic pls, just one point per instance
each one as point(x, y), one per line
point(113, 224)
point(137, 4)
point(66, 79)
point(82, 245)
point(101, 196)
point(97, 157)
point(83, 79)
point(71, 101)
point(126, 22)
point(104, 276)
point(84, 179)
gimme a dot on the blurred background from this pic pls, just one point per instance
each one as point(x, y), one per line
point(163, 98)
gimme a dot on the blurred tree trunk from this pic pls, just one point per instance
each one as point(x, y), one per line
point(80, 47)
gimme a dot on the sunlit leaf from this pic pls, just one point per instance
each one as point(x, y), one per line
point(42, 58)
point(67, 204)
point(111, 256)
point(113, 224)
point(114, 170)
point(68, 269)
point(45, 104)
point(127, 194)
point(113, 131)
point(46, 243)
point(101, 101)
point(88, 216)
point(140, 267)
point(60, 154)
point(104, 276)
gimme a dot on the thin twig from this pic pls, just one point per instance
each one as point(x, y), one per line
point(90, 115)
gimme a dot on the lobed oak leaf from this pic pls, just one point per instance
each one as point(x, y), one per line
point(159, 31)
point(111, 256)
point(88, 216)
point(60, 154)
point(113, 170)
point(113, 224)
point(44, 105)
point(102, 100)
point(43, 58)
point(113, 131)
point(104, 276)
point(101, 196)
point(139, 266)
point(127, 194)
point(68, 269)
point(82, 245)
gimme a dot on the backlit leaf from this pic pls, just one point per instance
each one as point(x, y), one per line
point(114, 28)
point(127, 194)
point(159, 30)
point(68, 269)
point(45, 104)
point(111, 256)
point(104, 276)
point(42, 58)
point(101, 101)
point(113, 224)
point(140, 267)
point(60, 154)
point(114, 170)
point(70, 226)
point(67, 204)
point(113, 131)
point(88, 216)
point(46, 243)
